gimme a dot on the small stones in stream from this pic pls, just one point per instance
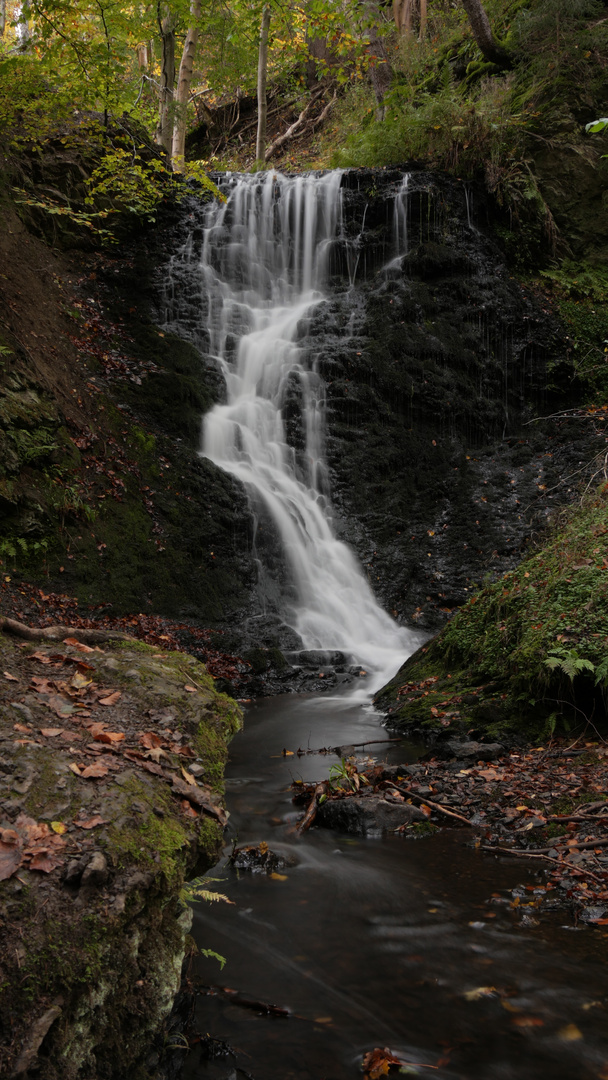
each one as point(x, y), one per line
point(258, 859)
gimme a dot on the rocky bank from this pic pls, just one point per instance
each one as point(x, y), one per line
point(111, 766)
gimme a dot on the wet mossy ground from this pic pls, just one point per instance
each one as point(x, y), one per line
point(527, 655)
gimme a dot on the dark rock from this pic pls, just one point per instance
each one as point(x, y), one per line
point(474, 751)
point(33, 1040)
point(367, 814)
point(95, 873)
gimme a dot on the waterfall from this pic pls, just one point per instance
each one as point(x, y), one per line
point(261, 270)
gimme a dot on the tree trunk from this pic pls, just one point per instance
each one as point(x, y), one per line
point(403, 11)
point(178, 148)
point(164, 130)
point(260, 145)
point(422, 33)
point(482, 32)
point(2, 17)
point(381, 71)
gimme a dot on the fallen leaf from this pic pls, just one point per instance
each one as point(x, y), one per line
point(92, 823)
point(95, 728)
point(377, 1063)
point(278, 877)
point(70, 736)
point(79, 681)
point(11, 678)
point(41, 657)
point(74, 767)
point(156, 753)
point(479, 992)
point(188, 777)
point(60, 705)
point(45, 862)
point(22, 728)
point(110, 736)
point(51, 732)
point(111, 699)
point(188, 809)
point(58, 827)
point(190, 689)
point(77, 645)
point(11, 858)
point(570, 1033)
point(528, 1021)
point(149, 739)
point(94, 770)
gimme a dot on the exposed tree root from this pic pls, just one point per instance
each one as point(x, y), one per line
point(58, 633)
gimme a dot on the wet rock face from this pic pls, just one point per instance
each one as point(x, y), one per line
point(434, 364)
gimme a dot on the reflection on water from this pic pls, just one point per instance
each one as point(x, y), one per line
point(379, 942)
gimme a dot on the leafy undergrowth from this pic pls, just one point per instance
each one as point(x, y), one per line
point(527, 654)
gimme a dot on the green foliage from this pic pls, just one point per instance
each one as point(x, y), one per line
point(569, 662)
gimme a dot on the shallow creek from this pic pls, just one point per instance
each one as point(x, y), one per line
point(377, 941)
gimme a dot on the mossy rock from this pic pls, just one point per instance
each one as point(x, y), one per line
point(526, 654)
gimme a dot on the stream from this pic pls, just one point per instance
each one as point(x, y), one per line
point(377, 941)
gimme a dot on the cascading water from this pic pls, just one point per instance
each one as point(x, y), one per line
point(262, 268)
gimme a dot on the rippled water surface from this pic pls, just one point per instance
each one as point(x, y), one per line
point(374, 942)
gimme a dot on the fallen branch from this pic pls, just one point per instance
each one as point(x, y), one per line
point(325, 113)
point(311, 812)
point(435, 806)
point(531, 855)
point(59, 633)
point(293, 128)
point(575, 846)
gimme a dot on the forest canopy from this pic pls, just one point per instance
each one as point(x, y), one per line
point(474, 88)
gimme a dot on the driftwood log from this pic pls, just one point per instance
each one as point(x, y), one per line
point(59, 633)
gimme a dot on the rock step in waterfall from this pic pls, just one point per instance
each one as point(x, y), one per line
point(261, 269)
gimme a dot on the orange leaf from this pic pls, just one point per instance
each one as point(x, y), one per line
point(190, 689)
point(51, 732)
point(94, 771)
point(11, 678)
point(149, 740)
point(77, 645)
point(45, 862)
point(74, 767)
point(92, 823)
point(110, 736)
point(21, 727)
point(111, 699)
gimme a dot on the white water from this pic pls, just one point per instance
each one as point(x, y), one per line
point(263, 268)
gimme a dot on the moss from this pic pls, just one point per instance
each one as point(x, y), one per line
point(488, 668)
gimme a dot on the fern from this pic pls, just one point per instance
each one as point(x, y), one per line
point(570, 663)
point(210, 954)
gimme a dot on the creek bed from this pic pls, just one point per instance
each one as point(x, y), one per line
point(376, 942)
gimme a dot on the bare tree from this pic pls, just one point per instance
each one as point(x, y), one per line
point(184, 81)
point(164, 129)
point(482, 32)
point(2, 17)
point(260, 145)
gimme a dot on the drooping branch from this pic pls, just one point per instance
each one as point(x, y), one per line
point(482, 32)
point(293, 128)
